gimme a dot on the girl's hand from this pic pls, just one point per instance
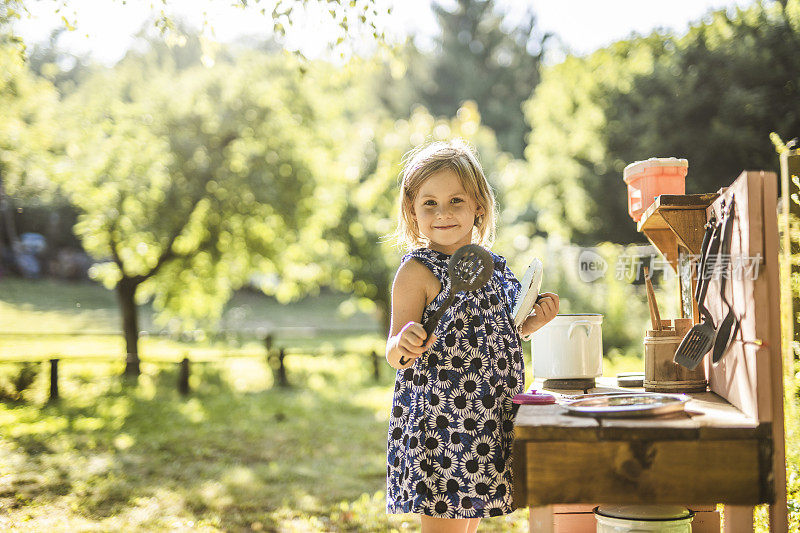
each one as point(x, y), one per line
point(411, 343)
point(544, 311)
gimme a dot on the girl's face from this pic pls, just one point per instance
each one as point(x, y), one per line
point(445, 213)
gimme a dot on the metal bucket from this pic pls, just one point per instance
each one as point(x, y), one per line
point(643, 518)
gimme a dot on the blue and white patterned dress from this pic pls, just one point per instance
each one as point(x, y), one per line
point(451, 427)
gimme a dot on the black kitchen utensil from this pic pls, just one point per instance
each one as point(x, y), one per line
point(724, 335)
point(699, 340)
point(729, 325)
point(469, 269)
point(710, 225)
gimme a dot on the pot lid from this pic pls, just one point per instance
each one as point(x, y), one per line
point(594, 318)
point(534, 398)
point(644, 512)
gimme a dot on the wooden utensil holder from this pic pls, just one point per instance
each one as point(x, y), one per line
point(661, 374)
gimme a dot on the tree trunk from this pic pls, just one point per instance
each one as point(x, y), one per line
point(126, 291)
point(7, 215)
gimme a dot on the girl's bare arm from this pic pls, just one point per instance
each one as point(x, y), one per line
point(411, 292)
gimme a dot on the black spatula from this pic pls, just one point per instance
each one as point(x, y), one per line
point(700, 338)
point(724, 335)
point(469, 269)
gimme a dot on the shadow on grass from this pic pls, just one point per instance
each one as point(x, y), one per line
point(230, 460)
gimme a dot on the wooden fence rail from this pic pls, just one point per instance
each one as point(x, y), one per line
point(290, 331)
point(275, 360)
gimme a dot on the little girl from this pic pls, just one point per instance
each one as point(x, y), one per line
point(451, 426)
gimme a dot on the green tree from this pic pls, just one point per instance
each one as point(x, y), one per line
point(716, 95)
point(478, 58)
point(572, 185)
point(404, 76)
point(64, 70)
point(189, 180)
point(27, 105)
point(711, 96)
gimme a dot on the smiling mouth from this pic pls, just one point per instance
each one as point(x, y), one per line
point(445, 227)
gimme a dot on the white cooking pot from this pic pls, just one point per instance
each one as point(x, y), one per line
point(569, 347)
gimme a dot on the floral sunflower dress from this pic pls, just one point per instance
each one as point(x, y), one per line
point(451, 427)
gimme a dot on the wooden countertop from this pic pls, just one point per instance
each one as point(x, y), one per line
point(711, 453)
point(706, 416)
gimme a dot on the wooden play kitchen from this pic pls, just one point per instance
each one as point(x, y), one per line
point(727, 445)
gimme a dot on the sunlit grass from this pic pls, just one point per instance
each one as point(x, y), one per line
point(230, 457)
point(35, 317)
point(54, 306)
point(238, 454)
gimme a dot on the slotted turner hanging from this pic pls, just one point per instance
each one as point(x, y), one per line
point(700, 338)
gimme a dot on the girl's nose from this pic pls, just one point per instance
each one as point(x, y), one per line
point(443, 210)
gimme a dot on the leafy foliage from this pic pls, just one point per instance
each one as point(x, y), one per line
point(479, 57)
point(198, 166)
point(27, 104)
point(711, 96)
point(20, 382)
point(348, 17)
point(190, 178)
point(570, 191)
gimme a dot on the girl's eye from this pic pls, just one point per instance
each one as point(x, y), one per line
point(429, 202)
point(457, 200)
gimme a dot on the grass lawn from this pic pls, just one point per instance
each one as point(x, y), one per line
point(238, 454)
point(30, 308)
point(234, 456)
point(70, 306)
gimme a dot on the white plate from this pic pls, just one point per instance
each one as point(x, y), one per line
point(627, 405)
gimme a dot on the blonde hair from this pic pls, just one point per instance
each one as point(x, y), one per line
point(422, 162)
